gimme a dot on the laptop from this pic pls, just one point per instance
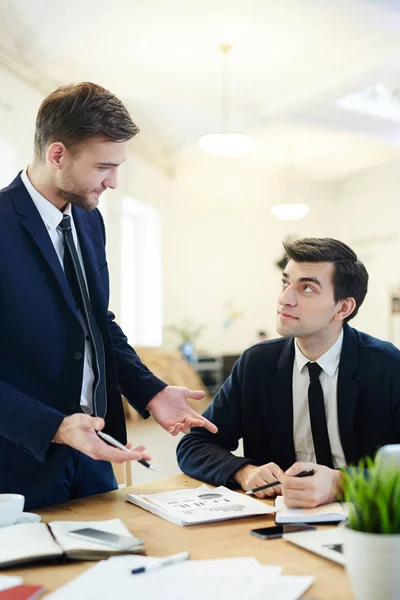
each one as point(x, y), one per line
point(325, 542)
point(389, 454)
point(328, 542)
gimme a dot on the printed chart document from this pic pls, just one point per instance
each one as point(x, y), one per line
point(39, 542)
point(200, 505)
point(235, 578)
point(327, 513)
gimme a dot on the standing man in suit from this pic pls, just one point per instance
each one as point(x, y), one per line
point(323, 396)
point(64, 361)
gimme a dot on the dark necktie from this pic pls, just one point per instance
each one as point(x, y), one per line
point(74, 275)
point(319, 427)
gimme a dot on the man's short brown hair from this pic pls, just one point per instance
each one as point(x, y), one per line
point(77, 112)
point(350, 277)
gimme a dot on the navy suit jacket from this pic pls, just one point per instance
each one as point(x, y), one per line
point(256, 404)
point(42, 345)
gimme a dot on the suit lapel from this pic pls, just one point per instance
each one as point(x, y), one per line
point(347, 393)
point(96, 290)
point(281, 418)
point(33, 223)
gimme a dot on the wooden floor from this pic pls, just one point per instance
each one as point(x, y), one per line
point(161, 446)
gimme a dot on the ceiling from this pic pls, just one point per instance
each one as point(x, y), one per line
point(290, 63)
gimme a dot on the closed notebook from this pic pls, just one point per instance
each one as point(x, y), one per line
point(327, 513)
point(200, 505)
point(23, 592)
point(35, 542)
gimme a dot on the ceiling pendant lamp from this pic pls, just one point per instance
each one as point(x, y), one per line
point(225, 143)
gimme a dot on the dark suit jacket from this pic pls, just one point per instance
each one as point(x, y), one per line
point(42, 345)
point(256, 404)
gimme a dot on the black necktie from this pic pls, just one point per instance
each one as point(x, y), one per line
point(319, 427)
point(74, 275)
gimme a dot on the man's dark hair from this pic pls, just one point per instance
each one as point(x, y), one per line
point(77, 112)
point(350, 277)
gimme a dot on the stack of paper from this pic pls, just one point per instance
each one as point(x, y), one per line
point(200, 505)
point(327, 513)
point(235, 578)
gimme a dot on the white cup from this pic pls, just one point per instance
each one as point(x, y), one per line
point(11, 508)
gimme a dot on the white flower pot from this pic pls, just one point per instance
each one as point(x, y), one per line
point(373, 564)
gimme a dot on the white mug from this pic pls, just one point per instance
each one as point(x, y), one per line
point(11, 508)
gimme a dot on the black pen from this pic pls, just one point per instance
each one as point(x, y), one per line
point(109, 439)
point(268, 485)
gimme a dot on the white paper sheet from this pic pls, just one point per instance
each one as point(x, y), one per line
point(7, 582)
point(212, 579)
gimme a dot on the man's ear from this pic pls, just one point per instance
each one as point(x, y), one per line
point(55, 155)
point(344, 309)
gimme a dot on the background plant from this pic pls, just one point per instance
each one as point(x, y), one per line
point(188, 332)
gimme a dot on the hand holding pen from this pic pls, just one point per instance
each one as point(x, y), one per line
point(308, 473)
point(110, 440)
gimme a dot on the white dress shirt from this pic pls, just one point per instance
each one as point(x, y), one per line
point(52, 217)
point(302, 435)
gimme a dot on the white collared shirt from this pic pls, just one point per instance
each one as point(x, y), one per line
point(52, 217)
point(302, 435)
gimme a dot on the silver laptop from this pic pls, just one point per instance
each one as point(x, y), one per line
point(389, 454)
point(325, 542)
point(328, 542)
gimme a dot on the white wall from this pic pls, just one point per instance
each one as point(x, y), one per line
point(222, 242)
point(19, 103)
point(219, 238)
point(369, 210)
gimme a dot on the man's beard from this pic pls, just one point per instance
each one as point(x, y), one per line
point(71, 191)
point(81, 200)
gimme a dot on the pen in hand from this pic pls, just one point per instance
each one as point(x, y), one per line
point(268, 485)
point(110, 440)
point(168, 560)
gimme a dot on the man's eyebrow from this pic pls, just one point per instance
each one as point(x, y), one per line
point(108, 164)
point(305, 280)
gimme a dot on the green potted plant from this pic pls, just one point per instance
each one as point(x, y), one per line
point(188, 333)
point(371, 534)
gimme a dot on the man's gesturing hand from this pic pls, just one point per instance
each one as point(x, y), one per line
point(79, 432)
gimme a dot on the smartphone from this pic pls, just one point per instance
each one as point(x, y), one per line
point(268, 533)
point(119, 542)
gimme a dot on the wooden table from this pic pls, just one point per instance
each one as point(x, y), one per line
point(215, 540)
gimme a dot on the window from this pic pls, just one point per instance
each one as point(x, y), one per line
point(141, 273)
point(7, 164)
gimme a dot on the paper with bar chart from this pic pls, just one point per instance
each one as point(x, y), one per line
point(200, 505)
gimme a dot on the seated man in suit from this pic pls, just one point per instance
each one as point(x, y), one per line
point(323, 396)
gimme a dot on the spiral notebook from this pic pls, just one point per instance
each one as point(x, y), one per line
point(200, 505)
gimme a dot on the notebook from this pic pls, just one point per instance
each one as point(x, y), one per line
point(325, 542)
point(327, 513)
point(23, 592)
point(200, 505)
point(39, 542)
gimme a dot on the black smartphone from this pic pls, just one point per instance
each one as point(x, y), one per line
point(120, 542)
point(268, 533)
